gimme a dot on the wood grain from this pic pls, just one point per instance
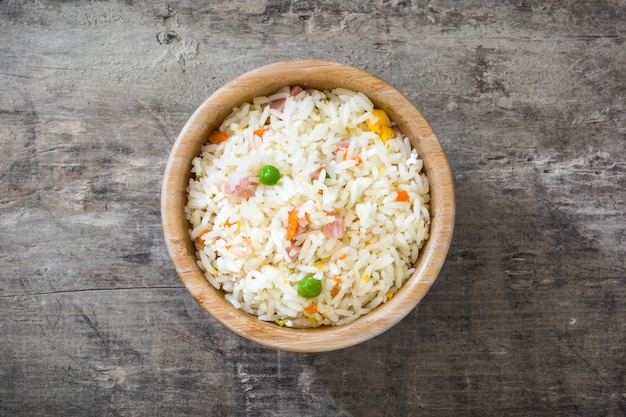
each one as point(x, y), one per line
point(528, 314)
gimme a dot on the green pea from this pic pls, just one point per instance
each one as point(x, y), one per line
point(309, 287)
point(269, 175)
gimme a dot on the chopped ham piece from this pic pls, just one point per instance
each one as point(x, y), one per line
point(316, 174)
point(293, 250)
point(303, 225)
point(280, 103)
point(295, 244)
point(244, 188)
point(334, 229)
point(343, 144)
point(295, 90)
point(244, 249)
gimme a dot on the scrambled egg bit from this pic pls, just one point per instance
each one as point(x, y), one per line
point(380, 124)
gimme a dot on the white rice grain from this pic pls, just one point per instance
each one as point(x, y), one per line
point(242, 241)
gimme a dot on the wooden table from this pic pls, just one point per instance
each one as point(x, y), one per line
point(528, 316)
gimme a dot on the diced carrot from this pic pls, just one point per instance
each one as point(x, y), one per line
point(217, 137)
point(338, 280)
point(402, 195)
point(344, 256)
point(292, 224)
point(358, 160)
point(227, 223)
point(334, 292)
point(260, 132)
point(200, 240)
point(311, 309)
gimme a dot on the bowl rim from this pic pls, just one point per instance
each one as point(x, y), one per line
point(319, 74)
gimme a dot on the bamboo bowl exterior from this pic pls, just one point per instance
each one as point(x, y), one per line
point(319, 75)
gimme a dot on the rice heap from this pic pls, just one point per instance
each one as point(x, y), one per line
point(350, 208)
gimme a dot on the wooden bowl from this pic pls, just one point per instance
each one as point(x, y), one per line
point(319, 75)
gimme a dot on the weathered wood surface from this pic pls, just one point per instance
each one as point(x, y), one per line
point(528, 316)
